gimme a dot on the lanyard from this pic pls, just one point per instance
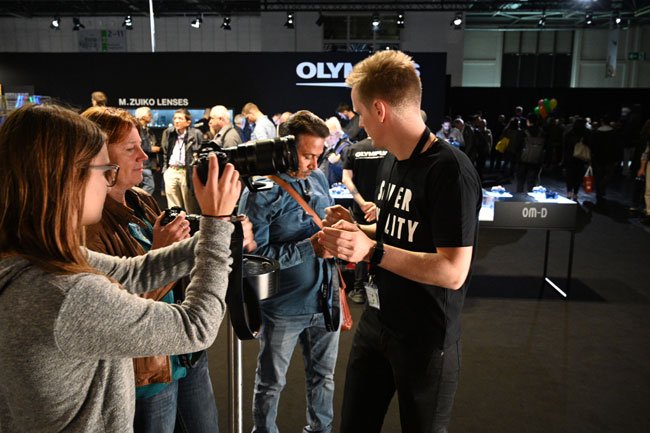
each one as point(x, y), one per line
point(383, 211)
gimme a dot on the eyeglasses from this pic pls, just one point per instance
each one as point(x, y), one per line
point(110, 172)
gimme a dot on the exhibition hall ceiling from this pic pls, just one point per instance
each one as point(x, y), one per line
point(477, 13)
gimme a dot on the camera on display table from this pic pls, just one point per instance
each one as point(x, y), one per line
point(269, 156)
point(174, 211)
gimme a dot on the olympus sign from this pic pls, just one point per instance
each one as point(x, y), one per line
point(322, 70)
point(326, 70)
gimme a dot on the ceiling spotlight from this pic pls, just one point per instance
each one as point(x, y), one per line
point(128, 23)
point(375, 22)
point(457, 22)
point(76, 24)
point(226, 23)
point(56, 24)
point(542, 21)
point(616, 18)
point(589, 18)
point(400, 20)
point(196, 22)
point(319, 21)
point(289, 23)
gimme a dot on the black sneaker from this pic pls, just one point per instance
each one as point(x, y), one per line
point(357, 296)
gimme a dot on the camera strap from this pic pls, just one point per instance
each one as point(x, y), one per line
point(331, 315)
point(242, 301)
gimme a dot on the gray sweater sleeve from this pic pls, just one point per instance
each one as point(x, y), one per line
point(100, 320)
point(155, 269)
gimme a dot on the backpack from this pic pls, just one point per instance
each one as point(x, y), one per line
point(533, 152)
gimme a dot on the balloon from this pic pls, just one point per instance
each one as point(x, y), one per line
point(537, 110)
point(547, 106)
point(553, 104)
point(543, 112)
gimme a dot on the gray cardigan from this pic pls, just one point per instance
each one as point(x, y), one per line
point(66, 341)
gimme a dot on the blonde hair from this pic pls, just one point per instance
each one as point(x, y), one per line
point(45, 153)
point(387, 75)
point(250, 108)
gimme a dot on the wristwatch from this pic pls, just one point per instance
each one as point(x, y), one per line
point(377, 254)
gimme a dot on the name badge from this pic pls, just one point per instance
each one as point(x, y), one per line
point(372, 294)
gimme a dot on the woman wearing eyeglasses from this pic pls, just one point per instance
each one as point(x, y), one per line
point(69, 326)
point(169, 389)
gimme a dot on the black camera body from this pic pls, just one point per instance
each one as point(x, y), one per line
point(257, 158)
point(174, 211)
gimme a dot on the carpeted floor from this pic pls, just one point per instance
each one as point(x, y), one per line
point(530, 363)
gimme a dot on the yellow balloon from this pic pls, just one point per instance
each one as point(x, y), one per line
point(553, 103)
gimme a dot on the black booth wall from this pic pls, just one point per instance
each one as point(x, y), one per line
point(592, 102)
point(202, 79)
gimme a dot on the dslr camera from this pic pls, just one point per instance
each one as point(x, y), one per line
point(174, 211)
point(257, 158)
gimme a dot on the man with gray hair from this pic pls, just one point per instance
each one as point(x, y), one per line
point(143, 114)
point(225, 133)
point(336, 151)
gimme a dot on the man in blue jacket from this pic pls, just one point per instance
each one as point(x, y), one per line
point(299, 312)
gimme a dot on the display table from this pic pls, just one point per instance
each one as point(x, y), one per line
point(532, 211)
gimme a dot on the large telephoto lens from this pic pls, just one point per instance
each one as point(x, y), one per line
point(269, 156)
point(256, 158)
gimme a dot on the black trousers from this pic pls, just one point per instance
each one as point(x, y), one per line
point(424, 377)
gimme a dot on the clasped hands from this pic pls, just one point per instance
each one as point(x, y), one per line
point(342, 238)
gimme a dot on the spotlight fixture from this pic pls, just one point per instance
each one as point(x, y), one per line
point(319, 21)
point(616, 19)
point(457, 22)
point(196, 22)
point(542, 21)
point(289, 23)
point(226, 23)
point(589, 17)
point(128, 22)
point(375, 22)
point(400, 20)
point(76, 24)
point(56, 24)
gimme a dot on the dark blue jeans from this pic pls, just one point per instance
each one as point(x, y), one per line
point(187, 405)
point(319, 351)
point(424, 377)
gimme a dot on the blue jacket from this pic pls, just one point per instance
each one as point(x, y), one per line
point(282, 231)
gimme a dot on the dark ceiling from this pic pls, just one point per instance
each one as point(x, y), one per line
point(478, 13)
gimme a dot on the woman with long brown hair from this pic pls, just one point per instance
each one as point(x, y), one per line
point(69, 325)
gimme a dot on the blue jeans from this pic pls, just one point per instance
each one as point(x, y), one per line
point(319, 349)
point(187, 405)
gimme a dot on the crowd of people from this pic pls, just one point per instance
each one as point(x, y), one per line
point(519, 149)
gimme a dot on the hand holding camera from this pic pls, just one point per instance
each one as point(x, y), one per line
point(170, 227)
point(219, 195)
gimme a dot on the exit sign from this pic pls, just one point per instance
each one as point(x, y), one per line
point(636, 55)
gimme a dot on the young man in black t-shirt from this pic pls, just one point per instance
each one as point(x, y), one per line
point(428, 199)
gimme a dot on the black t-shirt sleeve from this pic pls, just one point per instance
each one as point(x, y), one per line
point(454, 198)
point(348, 159)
